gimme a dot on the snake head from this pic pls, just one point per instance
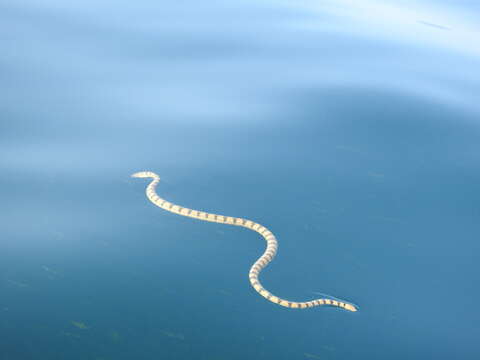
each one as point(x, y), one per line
point(145, 174)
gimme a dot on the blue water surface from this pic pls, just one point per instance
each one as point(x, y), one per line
point(350, 129)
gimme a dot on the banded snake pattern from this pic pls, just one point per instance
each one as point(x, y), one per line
point(258, 266)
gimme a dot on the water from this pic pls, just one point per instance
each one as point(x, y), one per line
point(351, 131)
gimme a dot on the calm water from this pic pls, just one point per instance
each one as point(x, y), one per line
point(351, 131)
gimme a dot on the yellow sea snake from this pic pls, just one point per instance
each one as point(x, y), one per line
point(257, 267)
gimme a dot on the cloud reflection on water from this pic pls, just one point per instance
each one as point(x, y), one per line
point(78, 70)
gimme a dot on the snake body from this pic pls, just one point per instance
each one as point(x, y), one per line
point(258, 266)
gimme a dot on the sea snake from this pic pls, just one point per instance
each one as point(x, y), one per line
point(258, 266)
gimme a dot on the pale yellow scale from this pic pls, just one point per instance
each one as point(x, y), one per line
point(262, 261)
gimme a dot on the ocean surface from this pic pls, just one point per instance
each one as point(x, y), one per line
point(350, 129)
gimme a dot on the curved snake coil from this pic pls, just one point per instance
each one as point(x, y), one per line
point(262, 262)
